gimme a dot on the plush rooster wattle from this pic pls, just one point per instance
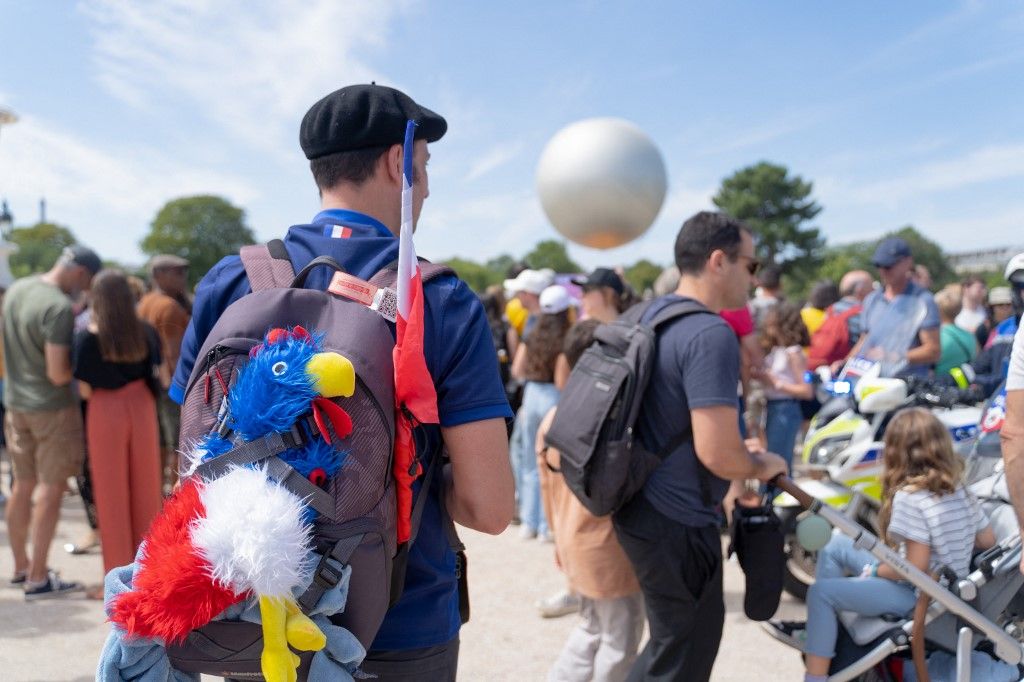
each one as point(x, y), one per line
point(243, 535)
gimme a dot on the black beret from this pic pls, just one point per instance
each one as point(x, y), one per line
point(360, 116)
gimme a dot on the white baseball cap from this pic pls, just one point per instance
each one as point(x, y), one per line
point(530, 281)
point(555, 299)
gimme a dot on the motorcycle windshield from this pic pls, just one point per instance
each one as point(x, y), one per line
point(886, 345)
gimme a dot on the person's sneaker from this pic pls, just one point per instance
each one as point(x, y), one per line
point(51, 588)
point(546, 537)
point(791, 632)
point(558, 605)
point(527, 533)
point(18, 578)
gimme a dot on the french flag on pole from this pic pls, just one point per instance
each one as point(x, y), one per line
point(415, 396)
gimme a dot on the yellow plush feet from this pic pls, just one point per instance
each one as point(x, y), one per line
point(284, 624)
point(301, 632)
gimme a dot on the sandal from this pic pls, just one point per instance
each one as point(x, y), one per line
point(19, 578)
point(89, 543)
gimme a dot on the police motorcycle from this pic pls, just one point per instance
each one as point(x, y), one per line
point(841, 462)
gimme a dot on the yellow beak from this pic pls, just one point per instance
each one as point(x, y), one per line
point(334, 375)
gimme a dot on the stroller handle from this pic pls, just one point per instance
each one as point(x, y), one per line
point(787, 485)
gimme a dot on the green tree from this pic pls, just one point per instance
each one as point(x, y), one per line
point(839, 260)
point(202, 229)
point(477, 276)
point(777, 207)
point(38, 247)
point(501, 264)
point(641, 275)
point(551, 253)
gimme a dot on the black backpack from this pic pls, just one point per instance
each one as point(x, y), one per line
point(601, 461)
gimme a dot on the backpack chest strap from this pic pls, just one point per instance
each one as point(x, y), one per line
point(267, 449)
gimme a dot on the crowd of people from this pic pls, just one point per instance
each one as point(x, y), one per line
point(88, 353)
point(730, 393)
point(777, 341)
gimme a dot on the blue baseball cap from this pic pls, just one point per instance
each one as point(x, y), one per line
point(890, 252)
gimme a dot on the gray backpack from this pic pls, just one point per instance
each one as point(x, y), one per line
point(356, 521)
point(601, 461)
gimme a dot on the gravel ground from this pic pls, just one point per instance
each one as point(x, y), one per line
point(505, 640)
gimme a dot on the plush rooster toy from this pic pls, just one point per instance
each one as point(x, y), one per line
point(243, 535)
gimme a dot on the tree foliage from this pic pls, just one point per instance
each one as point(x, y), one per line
point(777, 207)
point(477, 276)
point(38, 247)
point(641, 275)
point(551, 253)
point(202, 229)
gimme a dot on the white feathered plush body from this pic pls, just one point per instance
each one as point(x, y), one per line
point(242, 535)
point(253, 535)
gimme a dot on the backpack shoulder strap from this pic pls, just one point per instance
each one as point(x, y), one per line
point(267, 266)
point(676, 310)
point(388, 275)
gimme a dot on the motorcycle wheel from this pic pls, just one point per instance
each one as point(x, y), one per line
point(800, 565)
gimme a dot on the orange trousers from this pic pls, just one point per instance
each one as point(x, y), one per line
point(124, 458)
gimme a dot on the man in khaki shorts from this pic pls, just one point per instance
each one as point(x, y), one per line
point(43, 423)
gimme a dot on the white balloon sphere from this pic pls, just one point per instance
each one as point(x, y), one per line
point(601, 182)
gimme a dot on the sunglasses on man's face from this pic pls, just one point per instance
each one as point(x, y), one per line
point(753, 266)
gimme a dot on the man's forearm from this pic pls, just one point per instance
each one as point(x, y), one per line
point(923, 355)
point(1012, 437)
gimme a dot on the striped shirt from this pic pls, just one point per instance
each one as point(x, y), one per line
point(946, 523)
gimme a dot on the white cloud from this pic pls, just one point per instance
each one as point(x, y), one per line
point(499, 155)
point(988, 164)
point(252, 68)
point(928, 34)
point(107, 196)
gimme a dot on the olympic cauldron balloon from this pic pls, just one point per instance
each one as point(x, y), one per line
point(601, 182)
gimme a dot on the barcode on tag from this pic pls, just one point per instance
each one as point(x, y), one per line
point(385, 302)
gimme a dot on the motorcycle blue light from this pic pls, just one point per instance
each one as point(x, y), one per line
point(841, 387)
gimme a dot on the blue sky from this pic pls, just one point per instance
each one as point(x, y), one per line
point(898, 112)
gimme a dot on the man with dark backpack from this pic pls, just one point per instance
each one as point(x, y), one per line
point(670, 530)
point(353, 139)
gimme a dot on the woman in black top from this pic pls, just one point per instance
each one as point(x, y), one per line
point(116, 359)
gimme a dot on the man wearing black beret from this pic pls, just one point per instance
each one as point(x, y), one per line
point(353, 140)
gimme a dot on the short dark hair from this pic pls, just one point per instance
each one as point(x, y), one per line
point(578, 339)
point(702, 235)
point(823, 294)
point(971, 279)
point(355, 167)
point(770, 277)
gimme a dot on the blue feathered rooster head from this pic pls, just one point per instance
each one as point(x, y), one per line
point(287, 377)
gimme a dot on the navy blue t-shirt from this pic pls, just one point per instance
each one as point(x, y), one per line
point(460, 357)
point(697, 364)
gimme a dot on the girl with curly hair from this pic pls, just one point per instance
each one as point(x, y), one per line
point(926, 512)
point(783, 338)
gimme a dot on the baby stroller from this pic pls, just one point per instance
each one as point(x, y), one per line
point(979, 613)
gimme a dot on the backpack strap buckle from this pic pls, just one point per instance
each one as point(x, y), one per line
point(326, 576)
point(294, 437)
